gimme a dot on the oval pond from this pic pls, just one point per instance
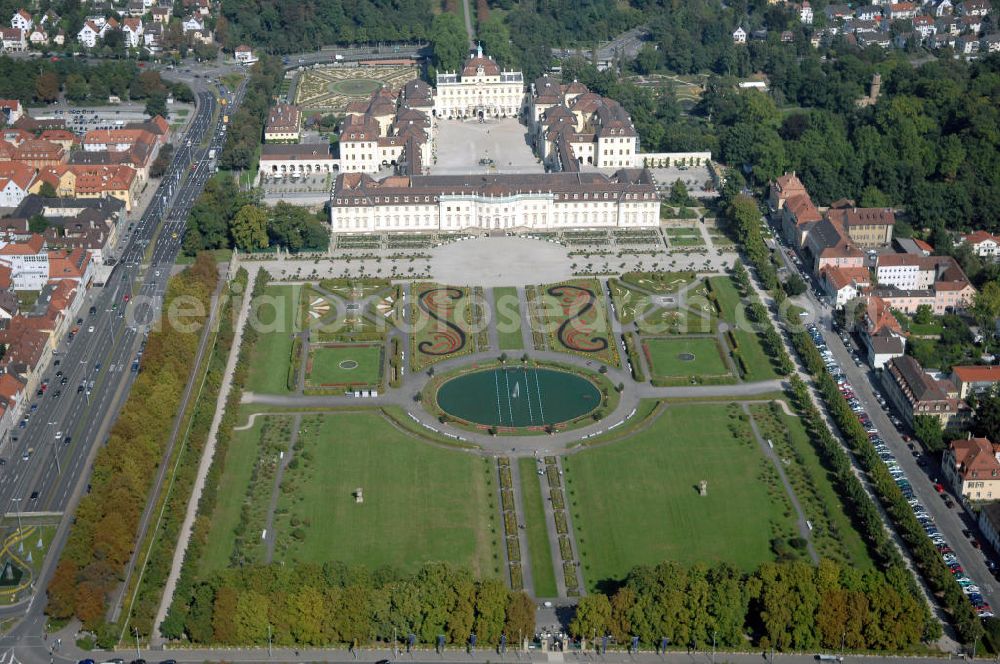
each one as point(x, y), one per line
point(518, 397)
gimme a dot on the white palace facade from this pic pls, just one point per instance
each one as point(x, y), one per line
point(481, 90)
point(544, 201)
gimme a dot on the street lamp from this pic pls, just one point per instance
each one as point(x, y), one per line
point(20, 540)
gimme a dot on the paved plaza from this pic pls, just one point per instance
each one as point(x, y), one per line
point(501, 261)
point(460, 146)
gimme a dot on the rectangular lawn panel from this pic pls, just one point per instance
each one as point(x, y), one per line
point(275, 317)
point(542, 572)
point(637, 502)
point(507, 318)
point(670, 357)
point(421, 503)
point(241, 456)
point(334, 365)
point(757, 361)
point(833, 531)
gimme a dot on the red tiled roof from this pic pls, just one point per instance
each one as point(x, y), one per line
point(975, 458)
point(31, 247)
point(977, 373)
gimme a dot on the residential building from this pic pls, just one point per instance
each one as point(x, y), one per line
point(982, 243)
point(13, 39)
point(798, 215)
point(11, 110)
point(132, 31)
point(989, 524)
point(975, 379)
point(990, 44)
point(866, 227)
point(161, 15)
point(38, 37)
point(192, 23)
point(739, 35)
point(914, 393)
point(783, 188)
point(244, 55)
point(943, 8)
point(827, 245)
point(22, 20)
point(972, 468)
point(973, 8)
point(480, 90)
point(89, 34)
point(93, 225)
point(901, 10)
point(806, 13)
point(880, 332)
point(28, 261)
point(284, 124)
point(626, 199)
point(15, 181)
point(844, 284)
point(934, 280)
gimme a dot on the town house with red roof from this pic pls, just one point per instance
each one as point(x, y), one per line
point(972, 467)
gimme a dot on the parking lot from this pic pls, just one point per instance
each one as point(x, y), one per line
point(83, 119)
point(697, 179)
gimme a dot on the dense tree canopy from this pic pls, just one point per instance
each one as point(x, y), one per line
point(790, 605)
point(287, 27)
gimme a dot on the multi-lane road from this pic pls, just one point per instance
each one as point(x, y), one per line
point(47, 466)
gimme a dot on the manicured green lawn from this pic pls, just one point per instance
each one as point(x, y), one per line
point(538, 537)
point(274, 317)
point(421, 503)
point(665, 355)
point(240, 459)
point(733, 307)
point(833, 533)
point(359, 364)
point(637, 502)
point(507, 318)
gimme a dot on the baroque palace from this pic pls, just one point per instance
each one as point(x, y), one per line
point(568, 126)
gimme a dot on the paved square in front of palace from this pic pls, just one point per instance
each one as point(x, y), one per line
point(461, 144)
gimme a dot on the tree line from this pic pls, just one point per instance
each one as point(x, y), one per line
point(925, 555)
point(149, 590)
point(224, 217)
point(173, 625)
point(305, 25)
point(42, 80)
point(102, 538)
point(787, 605)
point(246, 124)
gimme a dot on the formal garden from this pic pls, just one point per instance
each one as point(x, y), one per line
point(330, 89)
point(443, 320)
point(571, 317)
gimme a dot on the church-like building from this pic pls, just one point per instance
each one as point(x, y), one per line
point(481, 90)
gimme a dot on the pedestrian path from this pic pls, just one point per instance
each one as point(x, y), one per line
point(276, 489)
point(805, 531)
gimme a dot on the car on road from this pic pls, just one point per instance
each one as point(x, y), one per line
point(34, 495)
point(90, 329)
point(59, 434)
point(67, 440)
